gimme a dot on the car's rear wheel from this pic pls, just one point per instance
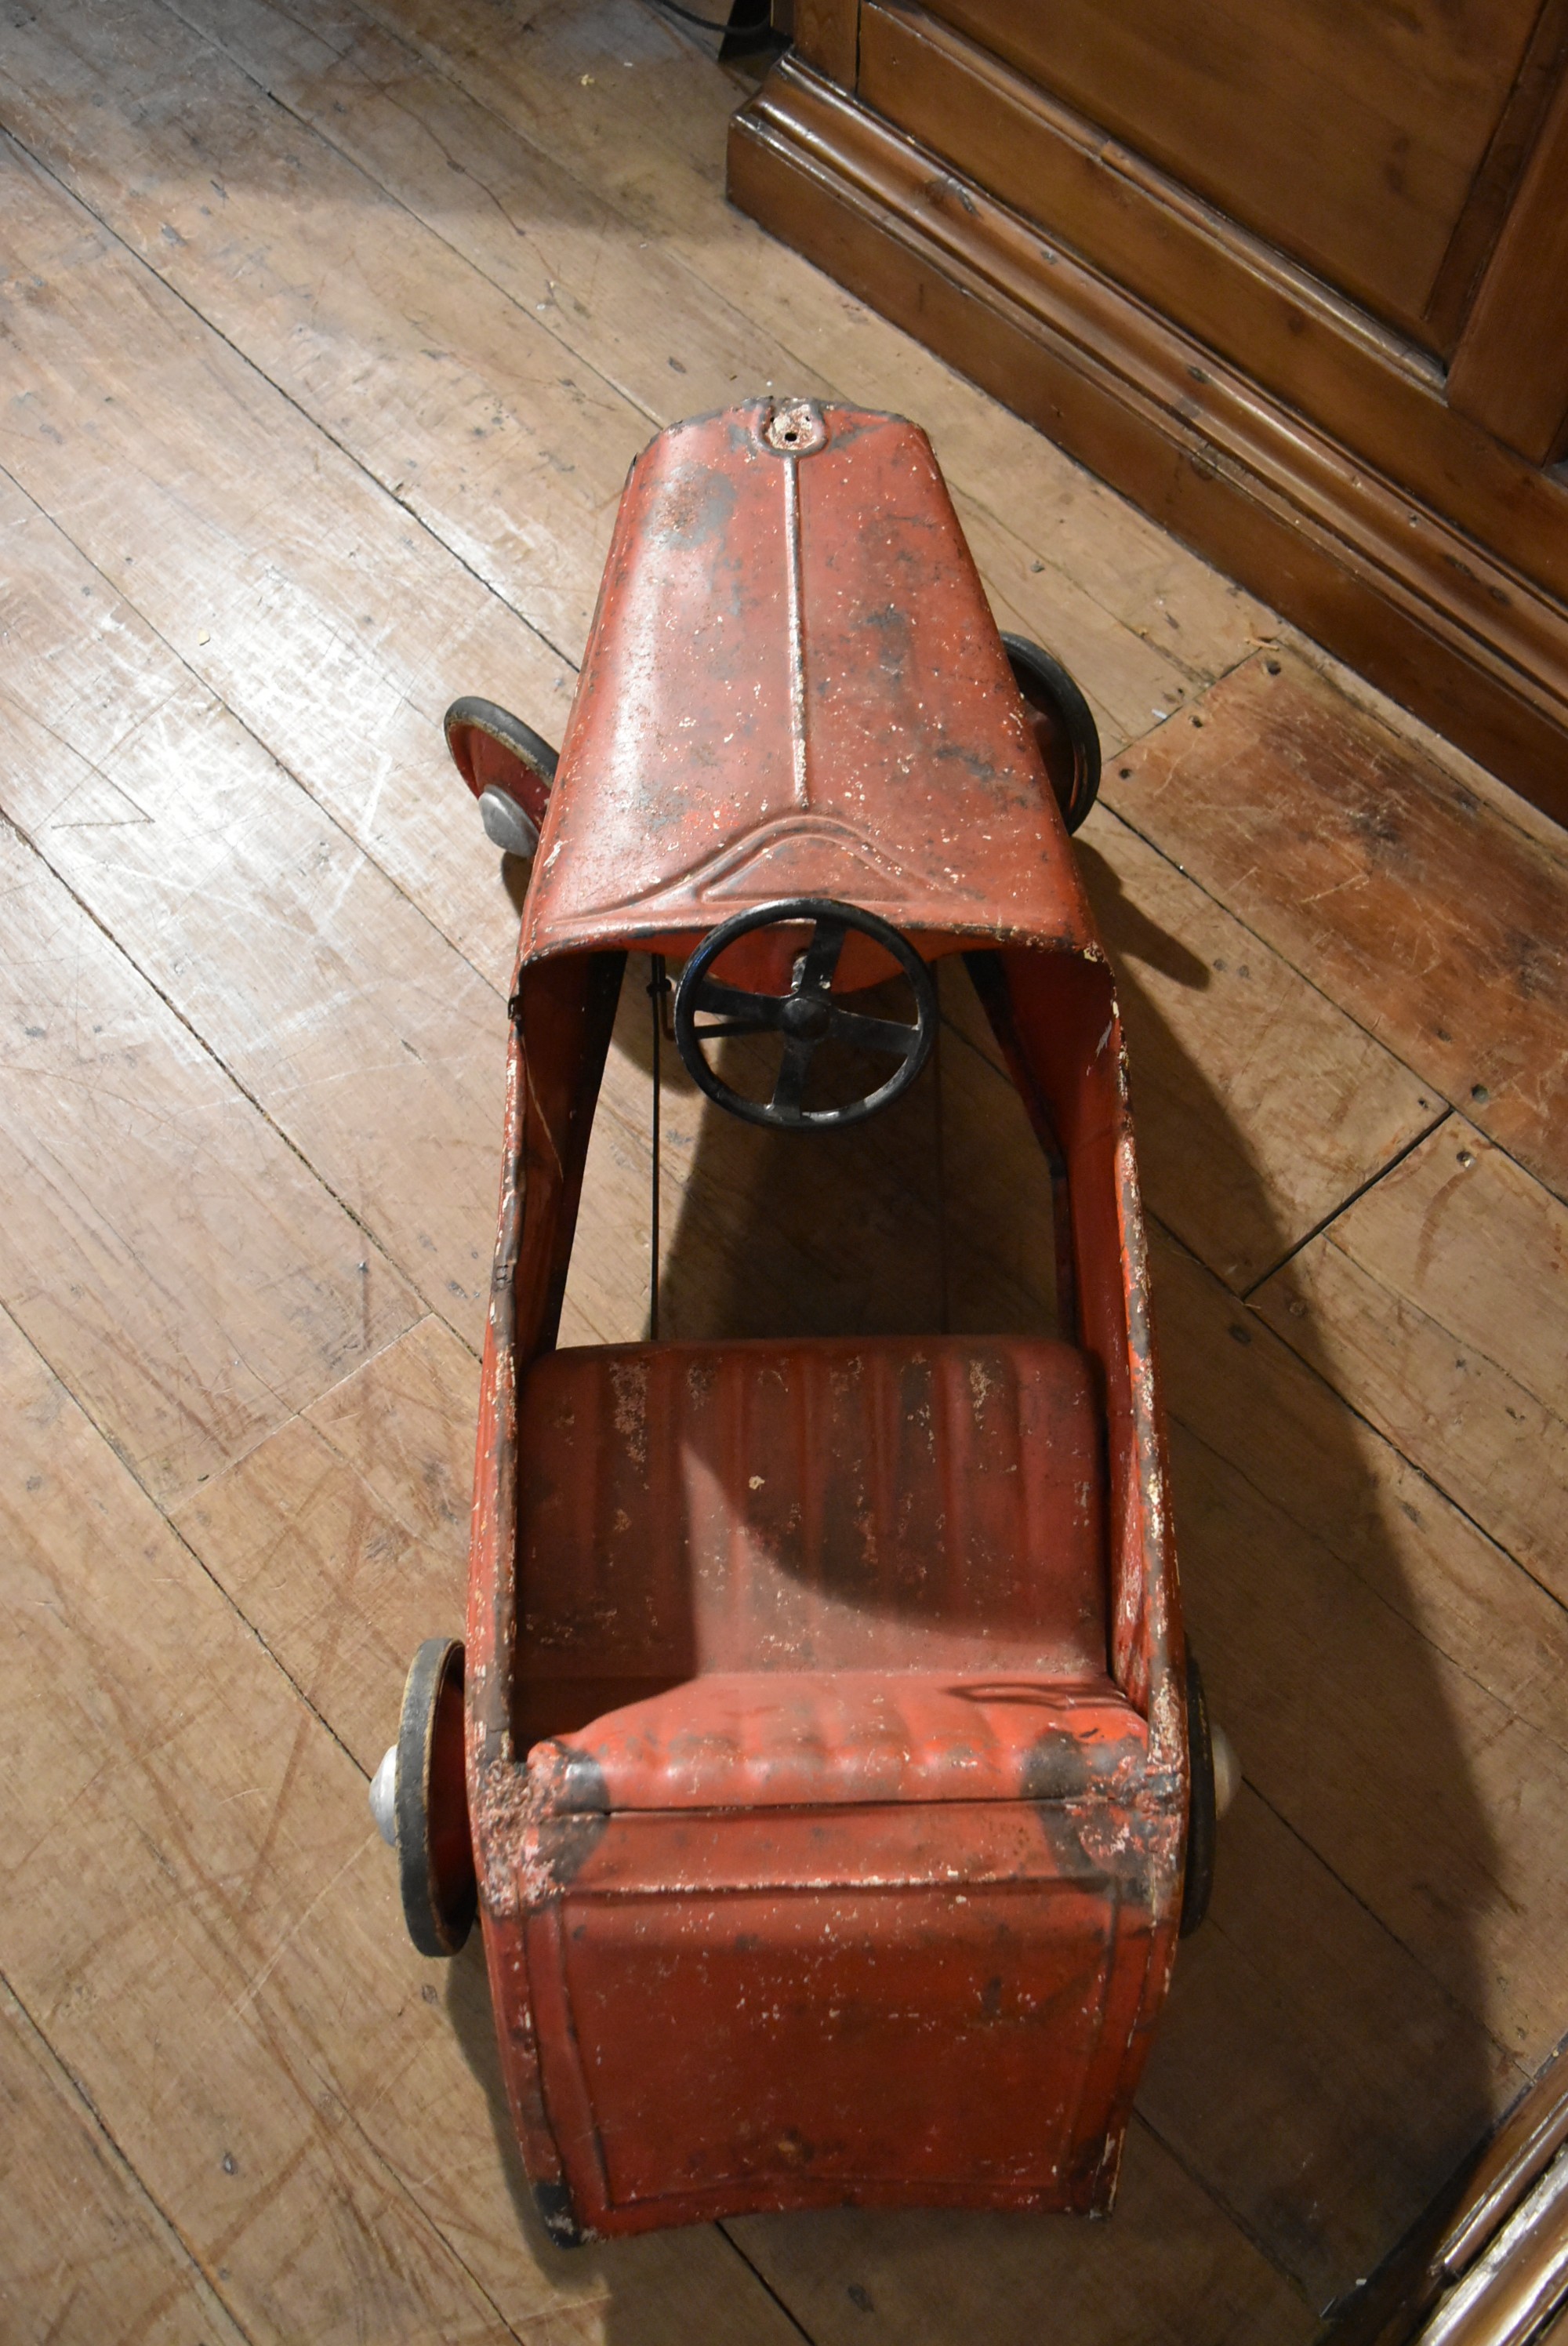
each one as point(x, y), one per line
point(420, 1802)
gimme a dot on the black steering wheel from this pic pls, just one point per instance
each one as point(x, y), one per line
point(807, 1017)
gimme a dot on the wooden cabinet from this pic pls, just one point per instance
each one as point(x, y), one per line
point(1294, 278)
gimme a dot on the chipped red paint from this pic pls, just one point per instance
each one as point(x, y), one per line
point(861, 739)
point(826, 1735)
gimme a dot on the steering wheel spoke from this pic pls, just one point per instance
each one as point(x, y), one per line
point(748, 1014)
point(789, 1089)
point(807, 1017)
point(814, 974)
point(889, 1035)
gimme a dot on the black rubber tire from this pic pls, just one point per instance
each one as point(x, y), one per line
point(489, 717)
point(435, 1852)
point(1202, 1816)
point(514, 792)
point(1065, 726)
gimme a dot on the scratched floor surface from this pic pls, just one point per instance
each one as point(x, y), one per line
point(330, 334)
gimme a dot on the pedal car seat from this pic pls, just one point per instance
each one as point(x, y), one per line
point(762, 1585)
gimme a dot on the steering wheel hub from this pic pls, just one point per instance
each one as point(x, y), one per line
point(807, 1015)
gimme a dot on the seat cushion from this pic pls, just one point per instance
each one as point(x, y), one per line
point(824, 1505)
point(795, 1739)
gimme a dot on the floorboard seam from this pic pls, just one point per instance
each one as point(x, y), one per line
point(166, 2222)
point(1251, 929)
point(370, 2148)
point(1478, 1352)
point(1407, 1149)
point(1218, 2198)
point(1306, 975)
point(384, 488)
point(1380, 1595)
point(1310, 1368)
point(466, 260)
point(122, 595)
point(165, 1517)
point(763, 2282)
point(430, 1308)
point(1478, 2019)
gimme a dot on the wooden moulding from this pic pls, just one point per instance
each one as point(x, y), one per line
point(1520, 2282)
point(1343, 542)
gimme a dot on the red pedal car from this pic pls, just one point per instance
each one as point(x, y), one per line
point(824, 1758)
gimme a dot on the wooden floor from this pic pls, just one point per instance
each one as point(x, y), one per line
point(328, 335)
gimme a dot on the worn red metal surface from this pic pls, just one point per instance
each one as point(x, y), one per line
point(794, 688)
point(827, 1738)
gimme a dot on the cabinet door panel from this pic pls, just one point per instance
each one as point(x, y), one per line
point(1511, 371)
point(1349, 135)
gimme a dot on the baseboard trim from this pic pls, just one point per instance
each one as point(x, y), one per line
point(1380, 579)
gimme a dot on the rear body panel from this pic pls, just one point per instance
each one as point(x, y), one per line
point(917, 2004)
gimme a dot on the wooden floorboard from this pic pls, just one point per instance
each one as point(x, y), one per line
point(609, 294)
point(1164, 2267)
point(1355, 856)
point(1398, 1304)
point(165, 1248)
point(365, 1039)
point(329, 335)
point(84, 2252)
point(1394, 1678)
point(178, 1916)
point(199, 1918)
point(446, 392)
point(267, 563)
